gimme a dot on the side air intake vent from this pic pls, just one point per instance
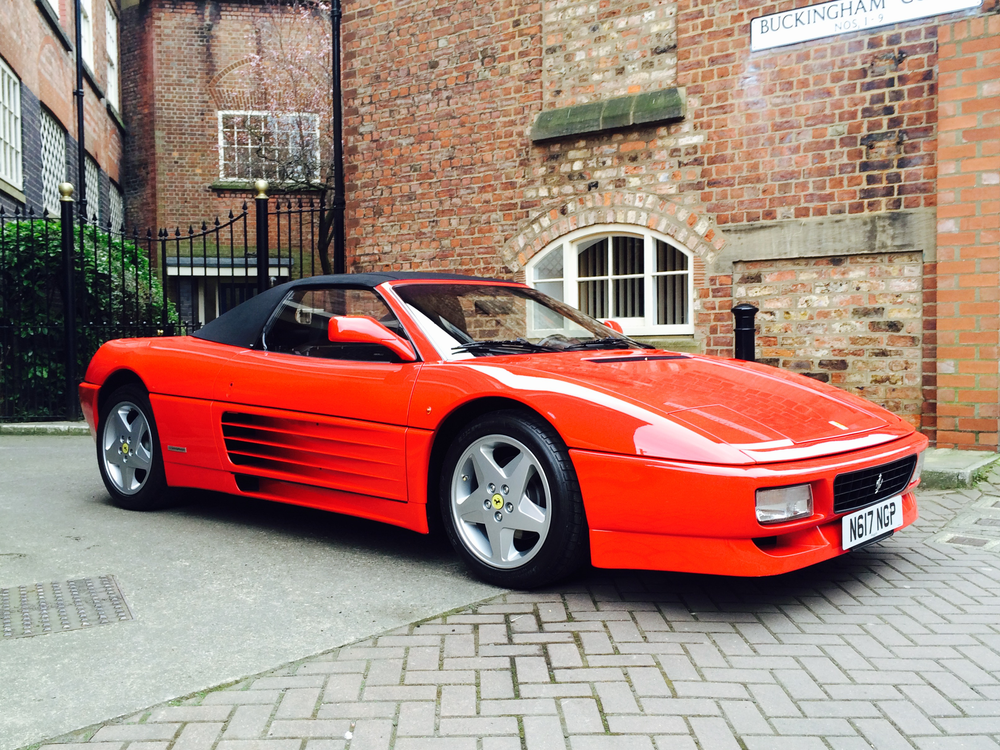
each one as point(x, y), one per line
point(359, 457)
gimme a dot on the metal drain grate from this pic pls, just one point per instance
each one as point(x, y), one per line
point(40, 608)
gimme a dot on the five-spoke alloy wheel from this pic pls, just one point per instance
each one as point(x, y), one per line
point(128, 450)
point(511, 503)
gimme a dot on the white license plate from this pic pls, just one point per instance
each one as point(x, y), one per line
point(874, 521)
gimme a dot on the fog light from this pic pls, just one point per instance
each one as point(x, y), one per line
point(778, 504)
point(918, 467)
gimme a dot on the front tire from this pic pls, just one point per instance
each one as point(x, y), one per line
point(511, 503)
point(128, 451)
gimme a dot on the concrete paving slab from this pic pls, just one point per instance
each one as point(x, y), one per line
point(220, 587)
point(947, 468)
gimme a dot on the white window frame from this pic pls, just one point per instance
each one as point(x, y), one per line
point(259, 113)
point(111, 52)
point(11, 151)
point(87, 32)
point(572, 244)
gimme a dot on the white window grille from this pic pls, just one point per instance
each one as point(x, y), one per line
point(111, 49)
point(87, 32)
point(627, 274)
point(53, 161)
point(280, 148)
point(116, 207)
point(10, 127)
point(92, 174)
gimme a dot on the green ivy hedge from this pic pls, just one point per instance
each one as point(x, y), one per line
point(117, 294)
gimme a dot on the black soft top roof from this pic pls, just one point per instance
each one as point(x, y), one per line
point(242, 325)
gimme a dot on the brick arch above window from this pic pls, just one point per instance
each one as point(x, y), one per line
point(232, 88)
point(694, 230)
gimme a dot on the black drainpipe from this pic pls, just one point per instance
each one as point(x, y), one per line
point(339, 199)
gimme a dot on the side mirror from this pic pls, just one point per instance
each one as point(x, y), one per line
point(361, 329)
point(614, 325)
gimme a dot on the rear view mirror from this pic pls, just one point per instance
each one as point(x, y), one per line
point(361, 329)
point(614, 325)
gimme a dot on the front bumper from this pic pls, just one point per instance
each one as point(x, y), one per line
point(655, 514)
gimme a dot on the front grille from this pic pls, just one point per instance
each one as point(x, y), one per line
point(860, 488)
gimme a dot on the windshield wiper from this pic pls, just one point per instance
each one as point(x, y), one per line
point(507, 346)
point(610, 342)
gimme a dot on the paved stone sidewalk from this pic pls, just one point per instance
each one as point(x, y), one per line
point(897, 646)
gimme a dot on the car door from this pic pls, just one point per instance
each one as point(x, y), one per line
point(308, 411)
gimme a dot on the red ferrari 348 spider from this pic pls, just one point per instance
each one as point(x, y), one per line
point(536, 436)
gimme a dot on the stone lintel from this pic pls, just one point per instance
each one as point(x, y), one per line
point(653, 107)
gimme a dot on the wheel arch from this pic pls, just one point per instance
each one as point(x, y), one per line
point(113, 382)
point(446, 432)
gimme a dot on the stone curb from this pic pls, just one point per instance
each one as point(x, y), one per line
point(45, 428)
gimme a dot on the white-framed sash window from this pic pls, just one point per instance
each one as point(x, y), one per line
point(281, 148)
point(11, 155)
point(87, 32)
point(632, 275)
point(111, 51)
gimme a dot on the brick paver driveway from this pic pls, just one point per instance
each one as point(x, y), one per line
point(897, 646)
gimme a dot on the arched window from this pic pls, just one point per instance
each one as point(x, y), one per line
point(628, 274)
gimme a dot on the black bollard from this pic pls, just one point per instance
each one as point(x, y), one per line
point(743, 327)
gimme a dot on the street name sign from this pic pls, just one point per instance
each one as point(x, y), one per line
point(843, 17)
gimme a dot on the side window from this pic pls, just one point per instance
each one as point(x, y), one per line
point(299, 325)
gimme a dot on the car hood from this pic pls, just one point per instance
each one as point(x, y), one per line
point(764, 413)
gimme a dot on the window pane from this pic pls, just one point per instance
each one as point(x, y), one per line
point(593, 259)
point(116, 207)
point(594, 298)
point(53, 161)
point(552, 288)
point(92, 177)
point(628, 298)
point(671, 298)
point(551, 266)
point(669, 258)
point(627, 252)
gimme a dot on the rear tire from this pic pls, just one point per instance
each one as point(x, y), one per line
point(510, 501)
point(128, 451)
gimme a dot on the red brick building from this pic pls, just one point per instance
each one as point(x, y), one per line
point(38, 121)
point(639, 159)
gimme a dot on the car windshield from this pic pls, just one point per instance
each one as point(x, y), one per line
point(473, 320)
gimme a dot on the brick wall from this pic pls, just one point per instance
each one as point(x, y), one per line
point(438, 100)
point(841, 125)
point(47, 70)
point(966, 288)
point(853, 322)
point(596, 51)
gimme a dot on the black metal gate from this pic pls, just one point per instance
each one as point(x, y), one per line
point(127, 284)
